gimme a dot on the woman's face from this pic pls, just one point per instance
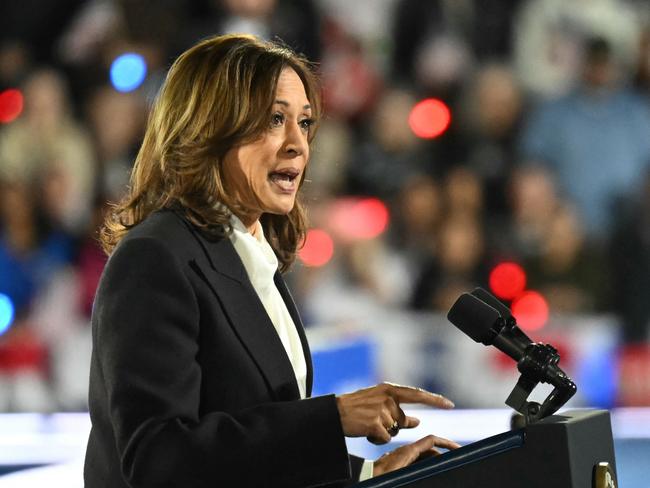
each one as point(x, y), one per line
point(263, 176)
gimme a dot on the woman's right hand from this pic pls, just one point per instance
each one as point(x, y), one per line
point(375, 412)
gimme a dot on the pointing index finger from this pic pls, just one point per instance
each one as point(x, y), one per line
point(408, 394)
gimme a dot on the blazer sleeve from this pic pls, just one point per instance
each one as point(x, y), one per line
point(146, 336)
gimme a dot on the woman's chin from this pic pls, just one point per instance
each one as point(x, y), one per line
point(279, 211)
point(281, 207)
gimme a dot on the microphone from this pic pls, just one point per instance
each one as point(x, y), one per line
point(485, 319)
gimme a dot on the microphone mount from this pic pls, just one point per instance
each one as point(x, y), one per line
point(539, 365)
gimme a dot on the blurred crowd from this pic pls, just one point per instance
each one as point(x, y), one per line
point(545, 162)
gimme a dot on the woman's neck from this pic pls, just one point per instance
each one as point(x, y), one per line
point(250, 222)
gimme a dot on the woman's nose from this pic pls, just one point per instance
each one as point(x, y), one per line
point(296, 140)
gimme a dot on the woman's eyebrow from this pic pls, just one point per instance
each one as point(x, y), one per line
point(287, 104)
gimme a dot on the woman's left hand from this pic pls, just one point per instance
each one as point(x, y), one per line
point(408, 454)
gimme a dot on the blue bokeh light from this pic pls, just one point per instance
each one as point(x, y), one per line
point(6, 313)
point(128, 71)
point(597, 377)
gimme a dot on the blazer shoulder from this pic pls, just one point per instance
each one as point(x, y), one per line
point(162, 224)
point(171, 230)
point(167, 227)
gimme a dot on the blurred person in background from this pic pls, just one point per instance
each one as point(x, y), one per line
point(629, 254)
point(437, 42)
point(415, 221)
point(117, 123)
point(47, 139)
point(456, 263)
point(549, 35)
point(15, 64)
point(570, 273)
point(200, 370)
point(490, 117)
point(595, 139)
point(463, 193)
point(330, 157)
point(296, 22)
point(351, 82)
point(389, 154)
point(418, 211)
point(365, 264)
point(533, 199)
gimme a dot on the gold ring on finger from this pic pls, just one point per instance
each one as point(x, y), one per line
point(393, 429)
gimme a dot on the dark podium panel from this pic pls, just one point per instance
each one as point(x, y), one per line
point(560, 451)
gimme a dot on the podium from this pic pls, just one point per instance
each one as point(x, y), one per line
point(570, 450)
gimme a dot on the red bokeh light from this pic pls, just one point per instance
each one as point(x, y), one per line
point(634, 375)
point(318, 248)
point(507, 280)
point(429, 118)
point(500, 360)
point(11, 105)
point(530, 310)
point(357, 219)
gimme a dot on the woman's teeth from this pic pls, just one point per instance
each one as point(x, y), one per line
point(283, 180)
point(282, 177)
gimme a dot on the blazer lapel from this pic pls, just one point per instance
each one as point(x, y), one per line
point(293, 311)
point(227, 277)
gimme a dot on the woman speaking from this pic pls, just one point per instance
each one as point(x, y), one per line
point(201, 373)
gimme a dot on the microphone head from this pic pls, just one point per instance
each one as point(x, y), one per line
point(475, 318)
point(493, 302)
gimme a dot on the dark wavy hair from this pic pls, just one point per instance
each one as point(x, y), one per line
point(217, 95)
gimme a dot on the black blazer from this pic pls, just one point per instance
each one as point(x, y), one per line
point(190, 385)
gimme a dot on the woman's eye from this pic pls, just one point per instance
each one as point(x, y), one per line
point(306, 124)
point(277, 119)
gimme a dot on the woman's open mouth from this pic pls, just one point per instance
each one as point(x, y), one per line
point(286, 179)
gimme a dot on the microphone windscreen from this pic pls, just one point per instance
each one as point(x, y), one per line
point(474, 317)
point(492, 301)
